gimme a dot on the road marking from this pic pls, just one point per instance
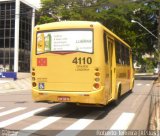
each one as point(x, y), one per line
point(19, 118)
point(123, 121)
point(39, 125)
point(4, 81)
point(80, 124)
point(11, 111)
point(139, 84)
point(11, 90)
point(2, 108)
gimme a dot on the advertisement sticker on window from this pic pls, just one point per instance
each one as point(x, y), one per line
point(79, 41)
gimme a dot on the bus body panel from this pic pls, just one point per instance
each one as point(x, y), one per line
point(123, 77)
point(65, 75)
point(96, 97)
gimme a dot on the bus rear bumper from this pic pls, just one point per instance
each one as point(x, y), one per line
point(94, 97)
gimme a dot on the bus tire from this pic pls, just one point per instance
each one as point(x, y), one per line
point(117, 100)
point(131, 90)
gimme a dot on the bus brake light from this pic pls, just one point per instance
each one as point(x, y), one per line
point(96, 85)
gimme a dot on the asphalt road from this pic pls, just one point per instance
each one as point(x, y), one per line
point(19, 115)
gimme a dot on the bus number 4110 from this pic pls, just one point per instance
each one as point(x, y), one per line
point(82, 60)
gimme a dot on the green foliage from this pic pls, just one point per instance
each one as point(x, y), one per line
point(114, 14)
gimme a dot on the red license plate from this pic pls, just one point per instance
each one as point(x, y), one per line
point(63, 98)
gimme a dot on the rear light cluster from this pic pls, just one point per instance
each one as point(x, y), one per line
point(96, 84)
point(33, 78)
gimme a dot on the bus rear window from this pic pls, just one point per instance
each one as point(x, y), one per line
point(65, 41)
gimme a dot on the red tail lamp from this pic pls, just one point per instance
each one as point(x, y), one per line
point(96, 85)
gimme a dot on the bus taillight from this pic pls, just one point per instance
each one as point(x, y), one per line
point(33, 78)
point(97, 79)
point(33, 73)
point(34, 84)
point(97, 74)
point(96, 85)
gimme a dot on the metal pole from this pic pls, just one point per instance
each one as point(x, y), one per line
point(158, 45)
point(133, 21)
point(32, 34)
point(147, 30)
point(159, 36)
point(16, 35)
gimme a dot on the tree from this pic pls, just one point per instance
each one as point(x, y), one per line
point(114, 14)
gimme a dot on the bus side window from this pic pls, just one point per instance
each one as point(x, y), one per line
point(118, 53)
point(127, 56)
point(123, 54)
point(105, 47)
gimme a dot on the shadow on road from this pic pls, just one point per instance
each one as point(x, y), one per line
point(77, 112)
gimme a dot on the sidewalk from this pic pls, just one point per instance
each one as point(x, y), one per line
point(154, 121)
point(23, 82)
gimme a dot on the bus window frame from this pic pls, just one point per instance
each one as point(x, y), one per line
point(123, 56)
point(70, 29)
point(105, 41)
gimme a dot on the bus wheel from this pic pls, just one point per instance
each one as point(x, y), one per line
point(117, 101)
point(131, 90)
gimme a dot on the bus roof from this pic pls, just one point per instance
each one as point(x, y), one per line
point(80, 24)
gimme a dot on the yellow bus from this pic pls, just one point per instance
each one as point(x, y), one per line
point(79, 62)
